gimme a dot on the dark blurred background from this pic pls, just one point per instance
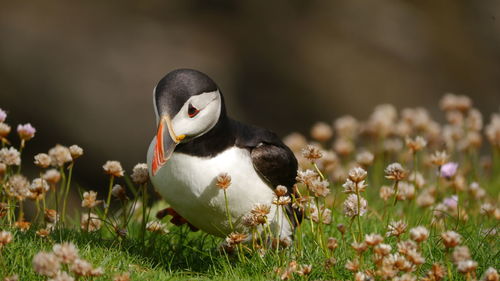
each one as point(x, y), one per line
point(82, 72)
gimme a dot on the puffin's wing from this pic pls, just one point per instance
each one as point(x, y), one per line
point(275, 163)
point(271, 158)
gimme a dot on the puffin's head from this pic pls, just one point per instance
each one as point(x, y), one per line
point(187, 104)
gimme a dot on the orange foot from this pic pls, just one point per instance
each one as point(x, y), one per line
point(176, 218)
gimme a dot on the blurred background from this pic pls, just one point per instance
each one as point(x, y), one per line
point(83, 72)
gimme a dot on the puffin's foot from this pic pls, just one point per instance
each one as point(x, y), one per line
point(176, 218)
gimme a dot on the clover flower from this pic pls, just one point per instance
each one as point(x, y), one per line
point(26, 131)
point(81, 267)
point(52, 176)
point(45, 263)
point(439, 158)
point(306, 177)
point(466, 266)
point(324, 213)
point(223, 181)
point(357, 174)
point(51, 216)
point(156, 226)
point(319, 188)
point(119, 192)
point(62, 276)
point(332, 243)
point(113, 168)
point(89, 199)
point(448, 170)
point(18, 186)
point(395, 172)
point(235, 238)
point(373, 239)
point(140, 174)
point(280, 190)
point(60, 155)
point(66, 252)
point(311, 153)
point(346, 126)
point(396, 228)
point(122, 277)
point(416, 144)
point(365, 158)
point(38, 188)
point(75, 151)
point(92, 222)
point(5, 238)
point(490, 274)
point(321, 132)
point(10, 156)
point(3, 115)
point(351, 206)
point(42, 160)
point(419, 234)
point(451, 239)
point(4, 130)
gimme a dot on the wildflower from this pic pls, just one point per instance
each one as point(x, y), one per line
point(332, 243)
point(4, 130)
point(235, 238)
point(417, 178)
point(373, 239)
point(404, 247)
point(343, 146)
point(60, 155)
point(249, 220)
point(295, 141)
point(341, 228)
point(451, 202)
point(437, 272)
point(490, 274)
point(359, 247)
point(476, 190)
point(448, 170)
point(311, 153)
point(324, 213)
point(23, 226)
point(405, 277)
point(396, 228)
point(47, 264)
point(393, 145)
point(365, 158)
point(62, 276)
point(75, 151)
point(14, 277)
point(386, 192)
point(156, 226)
point(52, 176)
point(42, 160)
point(26, 131)
point(122, 277)
point(321, 132)
point(89, 199)
point(487, 209)
point(319, 187)
point(452, 102)
point(119, 192)
point(439, 158)
point(360, 276)
point(43, 232)
point(18, 187)
point(492, 130)
point(38, 188)
point(10, 156)
point(357, 174)
point(140, 174)
point(329, 263)
point(306, 177)
point(51, 216)
point(426, 198)
point(416, 144)
point(346, 126)
point(92, 222)
point(354, 187)
point(406, 191)
point(461, 253)
point(351, 206)
point(466, 266)
point(5, 238)
point(280, 190)
point(305, 270)
point(113, 168)
point(281, 201)
point(395, 172)
point(382, 249)
point(451, 239)
point(352, 265)
point(419, 234)
point(3, 115)
point(260, 211)
point(66, 252)
point(81, 267)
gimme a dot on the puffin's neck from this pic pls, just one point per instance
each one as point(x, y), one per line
point(218, 139)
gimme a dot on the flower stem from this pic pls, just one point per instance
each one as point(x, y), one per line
point(66, 192)
point(227, 211)
point(108, 201)
point(144, 204)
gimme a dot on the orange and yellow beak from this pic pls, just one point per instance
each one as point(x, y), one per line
point(165, 143)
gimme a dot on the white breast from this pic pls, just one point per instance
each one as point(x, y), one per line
point(187, 183)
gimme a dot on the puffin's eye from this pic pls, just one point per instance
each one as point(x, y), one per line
point(192, 111)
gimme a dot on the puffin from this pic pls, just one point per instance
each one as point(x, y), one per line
point(196, 141)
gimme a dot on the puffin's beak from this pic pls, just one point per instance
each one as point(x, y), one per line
point(165, 143)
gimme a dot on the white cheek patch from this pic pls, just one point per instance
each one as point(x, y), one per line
point(201, 101)
point(209, 105)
